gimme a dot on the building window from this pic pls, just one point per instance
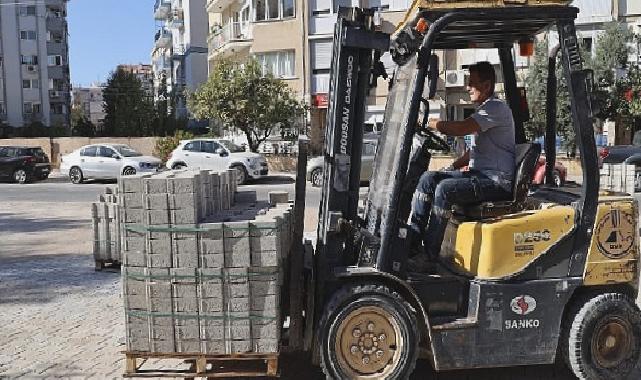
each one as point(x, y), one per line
point(29, 59)
point(57, 108)
point(30, 83)
point(27, 107)
point(2, 110)
point(28, 35)
point(273, 9)
point(54, 60)
point(28, 10)
point(280, 63)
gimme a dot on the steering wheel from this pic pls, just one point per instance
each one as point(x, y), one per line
point(433, 140)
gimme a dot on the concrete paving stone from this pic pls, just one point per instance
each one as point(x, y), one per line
point(183, 183)
point(131, 200)
point(210, 305)
point(159, 247)
point(156, 201)
point(268, 328)
point(185, 305)
point(156, 184)
point(159, 260)
point(212, 346)
point(263, 288)
point(212, 261)
point(136, 302)
point(237, 252)
point(212, 326)
point(269, 303)
point(162, 345)
point(161, 305)
point(266, 345)
point(183, 201)
point(188, 346)
point(238, 229)
point(188, 260)
point(237, 304)
point(131, 184)
point(265, 258)
point(238, 346)
point(134, 216)
point(186, 246)
point(156, 217)
point(184, 216)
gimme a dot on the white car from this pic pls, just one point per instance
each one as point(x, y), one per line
point(215, 154)
point(106, 161)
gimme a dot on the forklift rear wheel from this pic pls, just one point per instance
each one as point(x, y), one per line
point(317, 177)
point(369, 332)
point(604, 340)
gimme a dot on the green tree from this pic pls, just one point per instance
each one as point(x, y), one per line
point(241, 97)
point(611, 52)
point(128, 109)
point(80, 125)
point(536, 82)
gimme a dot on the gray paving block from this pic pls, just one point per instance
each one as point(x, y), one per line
point(237, 252)
point(212, 261)
point(159, 260)
point(184, 216)
point(188, 260)
point(265, 242)
point(236, 229)
point(211, 231)
point(244, 197)
point(155, 217)
point(238, 346)
point(156, 184)
point(187, 246)
point(161, 305)
point(186, 329)
point(183, 201)
point(159, 247)
point(156, 201)
point(212, 346)
point(162, 345)
point(265, 258)
point(212, 326)
point(210, 305)
point(162, 332)
point(131, 200)
point(136, 302)
point(269, 303)
point(134, 258)
point(133, 282)
point(138, 344)
point(132, 215)
point(266, 345)
point(131, 184)
point(265, 329)
point(276, 197)
point(263, 288)
point(183, 183)
point(265, 226)
point(237, 304)
point(187, 346)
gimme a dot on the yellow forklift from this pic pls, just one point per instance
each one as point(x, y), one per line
point(551, 274)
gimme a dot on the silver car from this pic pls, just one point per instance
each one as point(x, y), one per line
point(108, 161)
point(316, 164)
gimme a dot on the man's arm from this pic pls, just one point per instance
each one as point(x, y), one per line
point(455, 128)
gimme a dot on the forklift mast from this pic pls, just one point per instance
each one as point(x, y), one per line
point(354, 70)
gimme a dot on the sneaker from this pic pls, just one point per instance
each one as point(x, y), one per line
point(421, 264)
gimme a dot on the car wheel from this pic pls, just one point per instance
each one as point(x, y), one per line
point(43, 177)
point(20, 176)
point(179, 166)
point(317, 177)
point(241, 174)
point(129, 171)
point(75, 175)
point(368, 332)
point(604, 338)
point(558, 180)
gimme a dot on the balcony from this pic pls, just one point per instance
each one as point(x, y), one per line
point(233, 37)
point(320, 84)
point(217, 6)
point(162, 9)
point(163, 39)
point(178, 51)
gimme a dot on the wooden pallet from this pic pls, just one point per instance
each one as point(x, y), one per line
point(204, 365)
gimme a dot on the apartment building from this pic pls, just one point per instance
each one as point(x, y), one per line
point(144, 73)
point(179, 55)
point(90, 101)
point(34, 63)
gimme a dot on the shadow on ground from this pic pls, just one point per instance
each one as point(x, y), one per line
point(273, 180)
point(10, 222)
point(45, 278)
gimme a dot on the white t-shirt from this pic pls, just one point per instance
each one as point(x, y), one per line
point(493, 148)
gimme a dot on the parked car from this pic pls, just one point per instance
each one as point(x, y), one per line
point(616, 154)
point(216, 154)
point(106, 161)
point(560, 173)
point(316, 164)
point(23, 164)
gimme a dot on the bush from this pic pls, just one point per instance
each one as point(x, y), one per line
point(165, 145)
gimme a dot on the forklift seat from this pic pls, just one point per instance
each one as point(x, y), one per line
point(527, 155)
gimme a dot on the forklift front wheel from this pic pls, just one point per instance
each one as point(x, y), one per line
point(369, 332)
point(605, 338)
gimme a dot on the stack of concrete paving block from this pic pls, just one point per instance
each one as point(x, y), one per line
point(203, 264)
point(105, 216)
point(618, 177)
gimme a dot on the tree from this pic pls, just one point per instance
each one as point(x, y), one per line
point(129, 110)
point(536, 81)
point(80, 125)
point(240, 96)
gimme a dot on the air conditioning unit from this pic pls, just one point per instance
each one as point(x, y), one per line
point(455, 78)
point(31, 68)
point(54, 94)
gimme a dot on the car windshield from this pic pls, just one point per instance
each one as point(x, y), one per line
point(126, 151)
point(231, 146)
point(37, 152)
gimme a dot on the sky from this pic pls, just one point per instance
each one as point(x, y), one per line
point(105, 33)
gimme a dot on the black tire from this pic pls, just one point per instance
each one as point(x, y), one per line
point(558, 180)
point(75, 175)
point(42, 177)
point(316, 178)
point(128, 171)
point(21, 176)
point(241, 174)
point(359, 308)
point(604, 338)
point(178, 166)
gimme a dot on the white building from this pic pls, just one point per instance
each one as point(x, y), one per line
point(90, 101)
point(180, 50)
point(34, 63)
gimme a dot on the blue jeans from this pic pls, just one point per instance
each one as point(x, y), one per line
point(438, 191)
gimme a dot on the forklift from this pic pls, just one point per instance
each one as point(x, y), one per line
point(551, 274)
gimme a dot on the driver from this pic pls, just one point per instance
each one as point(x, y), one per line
point(490, 159)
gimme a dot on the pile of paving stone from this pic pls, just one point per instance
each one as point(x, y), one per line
point(203, 264)
point(105, 215)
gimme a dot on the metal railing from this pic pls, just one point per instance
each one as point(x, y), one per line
point(232, 32)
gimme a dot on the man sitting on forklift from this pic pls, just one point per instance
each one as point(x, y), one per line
point(491, 162)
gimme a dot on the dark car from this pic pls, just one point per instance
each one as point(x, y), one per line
point(616, 154)
point(23, 164)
